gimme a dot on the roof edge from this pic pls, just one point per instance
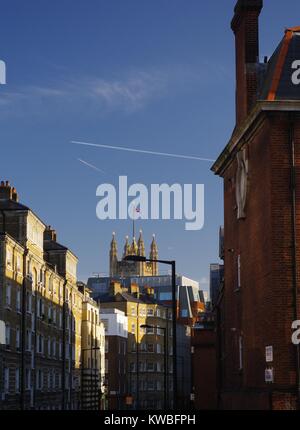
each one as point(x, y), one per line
point(261, 106)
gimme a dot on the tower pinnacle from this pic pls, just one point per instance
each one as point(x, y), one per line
point(141, 245)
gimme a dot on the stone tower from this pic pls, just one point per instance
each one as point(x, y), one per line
point(121, 268)
point(154, 255)
point(113, 256)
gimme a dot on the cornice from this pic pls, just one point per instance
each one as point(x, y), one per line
point(251, 123)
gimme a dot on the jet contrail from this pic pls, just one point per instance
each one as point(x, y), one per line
point(90, 165)
point(164, 154)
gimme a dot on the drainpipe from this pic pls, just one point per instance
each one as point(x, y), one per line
point(137, 361)
point(37, 295)
point(23, 331)
point(295, 245)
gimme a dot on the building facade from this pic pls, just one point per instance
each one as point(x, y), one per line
point(146, 353)
point(260, 168)
point(41, 307)
point(190, 299)
point(116, 336)
point(204, 364)
point(92, 353)
point(216, 272)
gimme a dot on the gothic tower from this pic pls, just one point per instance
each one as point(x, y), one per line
point(141, 245)
point(126, 247)
point(113, 256)
point(154, 256)
point(141, 252)
point(134, 247)
point(125, 268)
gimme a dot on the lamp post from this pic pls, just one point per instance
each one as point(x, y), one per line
point(138, 362)
point(165, 358)
point(171, 263)
point(82, 369)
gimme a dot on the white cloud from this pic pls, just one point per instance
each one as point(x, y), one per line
point(93, 94)
point(127, 93)
point(130, 94)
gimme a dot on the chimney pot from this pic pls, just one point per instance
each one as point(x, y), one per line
point(6, 191)
point(15, 196)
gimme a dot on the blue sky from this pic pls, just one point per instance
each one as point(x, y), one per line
point(153, 75)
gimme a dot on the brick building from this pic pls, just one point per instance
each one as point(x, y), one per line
point(204, 364)
point(260, 169)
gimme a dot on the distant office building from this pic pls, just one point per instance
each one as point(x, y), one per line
point(190, 299)
point(206, 296)
point(215, 282)
point(116, 335)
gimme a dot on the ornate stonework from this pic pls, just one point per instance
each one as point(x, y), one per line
point(241, 183)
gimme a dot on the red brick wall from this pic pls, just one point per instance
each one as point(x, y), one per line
point(204, 369)
point(262, 311)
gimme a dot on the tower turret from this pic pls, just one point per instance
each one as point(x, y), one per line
point(113, 256)
point(134, 247)
point(141, 245)
point(126, 247)
point(154, 256)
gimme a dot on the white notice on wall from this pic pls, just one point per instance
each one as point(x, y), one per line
point(269, 375)
point(269, 354)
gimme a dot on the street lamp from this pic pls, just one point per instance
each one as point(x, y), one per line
point(172, 263)
point(165, 358)
point(82, 369)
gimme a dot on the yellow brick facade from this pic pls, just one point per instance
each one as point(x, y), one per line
point(42, 308)
point(141, 309)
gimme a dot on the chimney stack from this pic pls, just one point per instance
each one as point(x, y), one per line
point(149, 291)
point(115, 288)
point(7, 192)
point(135, 290)
point(246, 29)
point(50, 234)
